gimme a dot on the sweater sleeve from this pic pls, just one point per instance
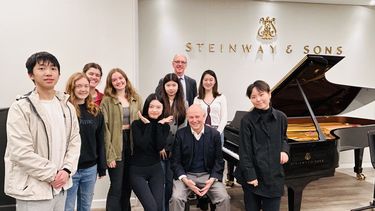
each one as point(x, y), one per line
point(73, 147)
point(100, 147)
point(176, 160)
point(223, 114)
point(218, 167)
point(285, 145)
point(109, 148)
point(246, 151)
point(162, 131)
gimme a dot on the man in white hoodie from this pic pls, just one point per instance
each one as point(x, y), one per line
point(43, 141)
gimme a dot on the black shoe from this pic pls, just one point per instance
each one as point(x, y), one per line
point(203, 203)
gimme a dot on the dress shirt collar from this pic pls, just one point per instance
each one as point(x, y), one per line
point(197, 135)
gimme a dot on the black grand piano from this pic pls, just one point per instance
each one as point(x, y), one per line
point(315, 133)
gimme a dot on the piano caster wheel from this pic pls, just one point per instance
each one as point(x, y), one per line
point(361, 176)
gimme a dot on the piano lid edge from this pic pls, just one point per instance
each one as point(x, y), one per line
point(295, 67)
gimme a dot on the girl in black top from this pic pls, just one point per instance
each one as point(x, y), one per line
point(149, 136)
point(263, 150)
point(92, 160)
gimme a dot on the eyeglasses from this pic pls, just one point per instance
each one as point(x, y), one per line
point(179, 62)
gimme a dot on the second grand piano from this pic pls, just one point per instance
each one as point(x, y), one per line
point(315, 133)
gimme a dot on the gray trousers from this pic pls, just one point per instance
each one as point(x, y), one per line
point(217, 193)
point(55, 204)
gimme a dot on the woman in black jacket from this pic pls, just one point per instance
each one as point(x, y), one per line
point(149, 136)
point(263, 150)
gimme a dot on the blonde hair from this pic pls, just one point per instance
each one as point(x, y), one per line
point(91, 107)
point(109, 90)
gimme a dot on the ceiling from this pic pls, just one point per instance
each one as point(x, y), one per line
point(346, 2)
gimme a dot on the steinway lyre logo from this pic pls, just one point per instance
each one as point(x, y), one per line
point(307, 156)
point(267, 30)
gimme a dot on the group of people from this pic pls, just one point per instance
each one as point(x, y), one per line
point(60, 143)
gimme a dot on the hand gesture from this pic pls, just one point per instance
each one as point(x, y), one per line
point(60, 179)
point(253, 182)
point(163, 154)
point(166, 120)
point(142, 118)
point(208, 185)
point(192, 186)
point(283, 158)
point(112, 164)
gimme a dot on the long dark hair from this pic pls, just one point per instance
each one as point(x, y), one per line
point(178, 109)
point(201, 90)
point(150, 98)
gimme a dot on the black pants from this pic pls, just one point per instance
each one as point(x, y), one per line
point(168, 182)
point(118, 198)
point(148, 183)
point(254, 202)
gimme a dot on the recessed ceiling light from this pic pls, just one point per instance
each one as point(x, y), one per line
point(372, 2)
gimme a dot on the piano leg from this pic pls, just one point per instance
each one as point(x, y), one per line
point(295, 189)
point(358, 157)
point(295, 198)
point(230, 175)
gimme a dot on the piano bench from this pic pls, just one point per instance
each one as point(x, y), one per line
point(194, 201)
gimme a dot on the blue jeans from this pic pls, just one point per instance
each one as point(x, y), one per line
point(82, 189)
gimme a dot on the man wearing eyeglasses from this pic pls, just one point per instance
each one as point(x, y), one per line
point(189, 85)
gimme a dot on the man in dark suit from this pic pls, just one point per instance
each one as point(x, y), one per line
point(197, 163)
point(189, 85)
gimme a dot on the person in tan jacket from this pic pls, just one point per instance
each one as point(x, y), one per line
point(120, 106)
point(43, 141)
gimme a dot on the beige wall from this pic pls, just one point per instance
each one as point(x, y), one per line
point(76, 32)
point(107, 32)
point(166, 25)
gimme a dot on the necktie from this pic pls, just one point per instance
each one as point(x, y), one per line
point(208, 118)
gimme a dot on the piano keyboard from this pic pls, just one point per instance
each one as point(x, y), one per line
point(231, 153)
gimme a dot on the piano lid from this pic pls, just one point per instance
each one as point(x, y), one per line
point(325, 98)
